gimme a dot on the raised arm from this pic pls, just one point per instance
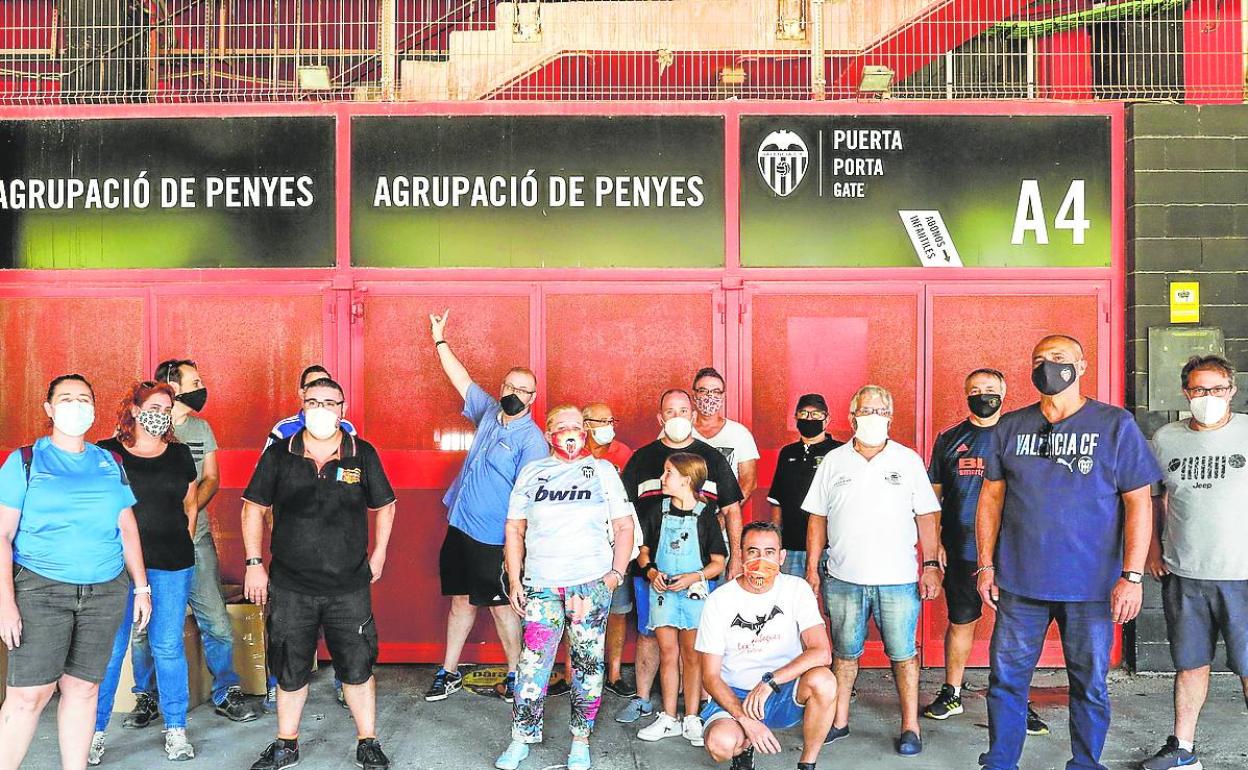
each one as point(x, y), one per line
point(455, 371)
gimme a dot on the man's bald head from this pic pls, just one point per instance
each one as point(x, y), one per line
point(1069, 348)
point(597, 411)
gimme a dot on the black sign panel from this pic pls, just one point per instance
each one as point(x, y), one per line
point(191, 192)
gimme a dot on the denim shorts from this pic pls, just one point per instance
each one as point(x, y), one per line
point(780, 712)
point(296, 621)
point(66, 628)
point(1197, 611)
point(894, 607)
point(622, 598)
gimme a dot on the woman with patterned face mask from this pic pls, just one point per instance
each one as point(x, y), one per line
point(162, 474)
point(569, 539)
point(69, 535)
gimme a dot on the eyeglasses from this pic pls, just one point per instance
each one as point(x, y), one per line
point(514, 389)
point(1216, 390)
point(610, 422)
point(867, 412)
point(806, 414)
point(708, 392)
point(312, 403)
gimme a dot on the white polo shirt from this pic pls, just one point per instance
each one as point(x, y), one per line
point(871, 507)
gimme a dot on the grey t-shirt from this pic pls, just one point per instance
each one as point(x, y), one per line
point(196, 433)
point(1206, 484)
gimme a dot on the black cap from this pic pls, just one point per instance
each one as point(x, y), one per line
point(811, 400)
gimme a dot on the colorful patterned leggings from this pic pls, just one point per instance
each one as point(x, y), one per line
point(583, 611)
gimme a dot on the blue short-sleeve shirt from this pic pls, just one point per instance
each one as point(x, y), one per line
point(68, 529)
point(1061, 527)
point(477, 500)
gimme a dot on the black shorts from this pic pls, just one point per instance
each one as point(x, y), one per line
point(295, 622)
point(66, 628)
point(961, 592)
point(472, 569)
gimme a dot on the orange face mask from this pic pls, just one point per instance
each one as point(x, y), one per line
point(759, 570)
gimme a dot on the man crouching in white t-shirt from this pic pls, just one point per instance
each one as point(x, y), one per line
point(765, 657)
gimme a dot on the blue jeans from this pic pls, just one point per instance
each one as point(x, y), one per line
point(170, 591)
point(794, 564)
point(894, 607)
point(1087, 630)
point(215, 628)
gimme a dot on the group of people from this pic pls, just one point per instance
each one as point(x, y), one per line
point(1052, 512)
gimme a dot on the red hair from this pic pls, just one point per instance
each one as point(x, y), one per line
point(138, 395)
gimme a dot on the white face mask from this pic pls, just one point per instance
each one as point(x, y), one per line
point(678, 429)
point(321, 422)
point(604, 435)
point(1208, 410)
point(871, 429)
point(73, 418)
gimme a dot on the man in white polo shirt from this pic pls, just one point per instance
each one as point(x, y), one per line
point(871, 504)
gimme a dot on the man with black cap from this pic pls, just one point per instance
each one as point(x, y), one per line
point(795, 469)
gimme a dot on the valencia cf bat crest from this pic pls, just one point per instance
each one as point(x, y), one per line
point(758, 623)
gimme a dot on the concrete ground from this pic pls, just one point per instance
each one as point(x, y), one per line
point(468, 731)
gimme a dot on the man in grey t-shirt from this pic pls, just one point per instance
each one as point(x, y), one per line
point(1198, 545)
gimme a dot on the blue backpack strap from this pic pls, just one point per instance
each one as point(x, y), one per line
point(28, 457)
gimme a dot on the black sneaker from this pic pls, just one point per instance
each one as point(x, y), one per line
point(279, 754)
point(145, 712)
point(1172, 756)
point(744, 760)
point(947, 704)
point(835, 734)
point(1035, 725)
point(235, 707)
point(622, 687)
point(557, 688)
point(368, 755)
point(445, 683)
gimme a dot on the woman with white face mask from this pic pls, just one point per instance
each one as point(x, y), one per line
point(67, 538)
point(162, 474)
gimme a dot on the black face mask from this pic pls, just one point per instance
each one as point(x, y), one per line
point(809, 428)
point(195, 399)
point(1051, 378)
point(983, 405)
point(511, 404)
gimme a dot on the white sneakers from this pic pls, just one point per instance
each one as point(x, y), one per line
point(691, 728)
point(97, 749)
point(666, 726)
point(177, 747)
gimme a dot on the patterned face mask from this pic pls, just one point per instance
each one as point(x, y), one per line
point(155, 423)
point(708, 404)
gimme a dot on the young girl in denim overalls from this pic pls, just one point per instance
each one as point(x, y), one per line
point(672, 559)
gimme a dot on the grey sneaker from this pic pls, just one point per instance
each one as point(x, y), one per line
point(96, 752)
point(177, 747)
point(635, 709)
point(1171, 756)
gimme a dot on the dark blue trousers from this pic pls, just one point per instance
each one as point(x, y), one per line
point(1087, 631)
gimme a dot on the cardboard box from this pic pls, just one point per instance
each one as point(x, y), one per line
point(250, 660)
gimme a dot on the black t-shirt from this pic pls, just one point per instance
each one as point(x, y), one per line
point(643, 475)
point(320, 520)
point(795, 470)
point(710, 536)
point(958, 467)
point(160, 485)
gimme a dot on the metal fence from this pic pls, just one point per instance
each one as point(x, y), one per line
point(93, 51)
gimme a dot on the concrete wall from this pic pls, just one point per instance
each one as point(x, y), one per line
point(1187, 220)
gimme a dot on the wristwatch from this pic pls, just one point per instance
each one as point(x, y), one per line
point(931, 563)
point(254, 562)
point(143, 590)
point(769, 679)
point(1133, 577)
